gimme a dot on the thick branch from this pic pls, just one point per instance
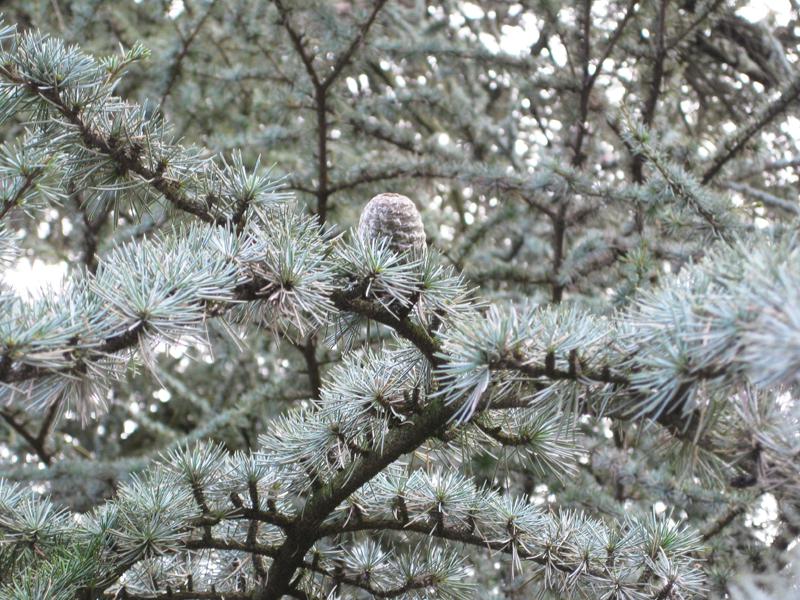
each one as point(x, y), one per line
point(407, 328)
point(309, 351)
point(305, 531)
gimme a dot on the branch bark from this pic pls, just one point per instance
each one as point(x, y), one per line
point(321, 87)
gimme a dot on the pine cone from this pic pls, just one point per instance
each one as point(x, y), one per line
point(395, 217)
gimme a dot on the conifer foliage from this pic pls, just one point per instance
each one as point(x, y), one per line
point(555, 356)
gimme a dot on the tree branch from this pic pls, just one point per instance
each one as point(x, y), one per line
point(309, 351)
point(297, 41)
point(345, 57)
point(429, 527)
point(723, 521)
point(305, 531)
point(36, 442)
point(114, 149)
point(175, 68)
point(321, 87)
point(739, 140)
